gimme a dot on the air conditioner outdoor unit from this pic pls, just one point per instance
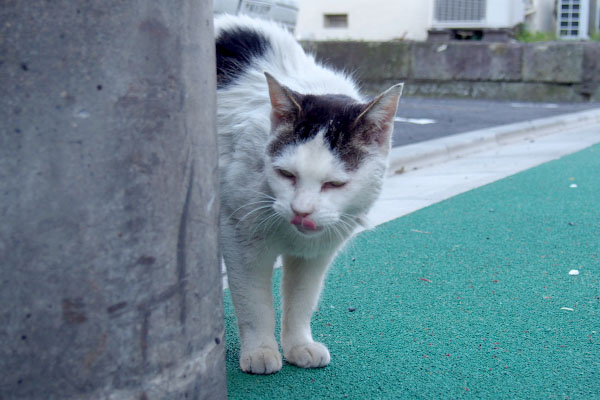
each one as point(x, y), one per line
point(572, 19)
point(477, 14)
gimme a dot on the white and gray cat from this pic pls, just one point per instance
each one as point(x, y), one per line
point(302, 159)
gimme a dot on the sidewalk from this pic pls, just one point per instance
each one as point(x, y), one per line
point(436, 170)
point(469, 297)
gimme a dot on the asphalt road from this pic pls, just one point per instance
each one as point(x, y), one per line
point(424, 119)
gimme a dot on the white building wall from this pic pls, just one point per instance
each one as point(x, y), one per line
point(542, 18)
point(367, 19)
point(381, 20)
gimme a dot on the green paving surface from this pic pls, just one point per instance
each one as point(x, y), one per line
point(468, 298)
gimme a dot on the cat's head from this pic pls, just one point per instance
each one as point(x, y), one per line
point(327, 156)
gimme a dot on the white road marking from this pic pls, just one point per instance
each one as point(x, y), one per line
point(531, 105)
point(417, 121)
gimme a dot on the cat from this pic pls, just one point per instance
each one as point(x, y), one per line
point(302, 156)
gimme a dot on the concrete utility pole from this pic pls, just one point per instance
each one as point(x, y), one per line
point(110, 286)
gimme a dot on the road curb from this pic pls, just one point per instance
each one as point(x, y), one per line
point(418, 155)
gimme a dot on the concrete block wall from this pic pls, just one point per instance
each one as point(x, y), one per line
point(548, 71)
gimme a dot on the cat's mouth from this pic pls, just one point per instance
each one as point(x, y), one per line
point(309, 232)
point(305, 225)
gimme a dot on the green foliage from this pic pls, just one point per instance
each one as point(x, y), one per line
point(527, 36)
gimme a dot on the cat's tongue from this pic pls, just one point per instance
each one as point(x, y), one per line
point(304, 222)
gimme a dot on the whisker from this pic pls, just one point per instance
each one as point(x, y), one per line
point(342, 222)
point(248, 204)
point(350, 223)
point(267, 222)
point(252, 212)
point(339, 234)
point(274, 221)
point(347, 223)
point(328, 232)
point(264, 222)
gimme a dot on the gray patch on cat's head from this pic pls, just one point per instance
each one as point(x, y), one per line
point(336, 116)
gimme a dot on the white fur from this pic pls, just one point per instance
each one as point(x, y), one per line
point(257, 202)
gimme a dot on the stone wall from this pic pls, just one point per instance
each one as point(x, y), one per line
point(549, 71)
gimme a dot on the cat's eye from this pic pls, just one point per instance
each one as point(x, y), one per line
point(286, 174)
point(333, 185)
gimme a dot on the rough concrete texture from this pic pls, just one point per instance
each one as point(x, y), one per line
point(367, 61)
point(553, 71)
point(553, 62)
point(515, 91)
point(110, 280)
point(466, 61)
point(591, 71)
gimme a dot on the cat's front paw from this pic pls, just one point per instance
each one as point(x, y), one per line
point(309, 355)
point(262, 360)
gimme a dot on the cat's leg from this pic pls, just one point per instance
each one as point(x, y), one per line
point(301, 286)
point(249, 275)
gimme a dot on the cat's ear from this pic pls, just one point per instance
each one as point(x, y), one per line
point(285, 103)
point(378, 117)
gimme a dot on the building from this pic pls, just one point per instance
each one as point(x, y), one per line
point(375, 20)
point(384, 20)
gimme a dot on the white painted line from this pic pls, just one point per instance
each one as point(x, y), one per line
point(416, 121)
point(533, 105)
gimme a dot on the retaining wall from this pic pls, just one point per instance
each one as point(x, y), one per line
point(548, 71)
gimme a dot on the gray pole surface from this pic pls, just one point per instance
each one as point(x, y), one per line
point(109, 269)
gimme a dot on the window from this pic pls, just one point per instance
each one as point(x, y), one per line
point(572, 18)
point(336, 20)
